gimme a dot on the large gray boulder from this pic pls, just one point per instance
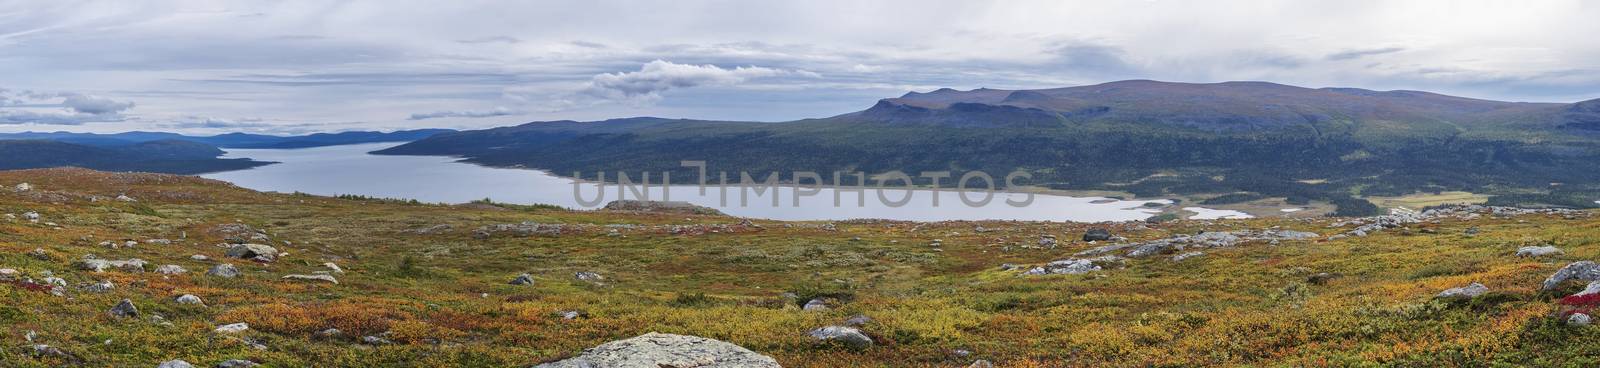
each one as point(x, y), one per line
point(1539, 251)
point(1464, 292)
point(849, 336)
point(226, 270)
point(1580, 270)
point(257, 252)
point(655, 350)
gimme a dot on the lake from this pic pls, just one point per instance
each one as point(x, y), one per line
point(349, 169)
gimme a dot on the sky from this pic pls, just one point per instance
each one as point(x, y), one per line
point(295, 67)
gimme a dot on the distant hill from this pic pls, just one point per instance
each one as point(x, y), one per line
point(1145, 137)
point(163, 156)
point(232, 140)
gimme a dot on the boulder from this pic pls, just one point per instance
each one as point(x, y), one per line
point(232, 328)
point(92, 263)
point(1097, 234)
point(189, 299)
point(589, 277)
point(655, 350)
point(100, 287)
point(325, 278)
point(1580, 270)
point(1464, 292)
point(125, 309)
point(1538, 251)
point(24, 187)
point(30, 216)
point(171, 270)
point(1579, 319)
point(815, 305)
point(257, 252)
point(849, 336)
point(1076, 266)
point(523, 279)
point(236, 363)
point(175, 363)
point(226, 270)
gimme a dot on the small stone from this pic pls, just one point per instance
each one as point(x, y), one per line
point(1097, 234)
point(849, 336)
point(232, 328)
point(815, 305)
point(333, 267)
point(589, 277)
point(100, 287)
point(980, 363)
point(1186, 255)
point(171, 270)
point(1538, 251)
point(24, 187)
point(189, 299)
point(125, 309)
point(1322, 278)
point(1464, 292)
point(1579, 319)
point(226, 270)
point(175, 363)
point(572, 315)
point(857, 320)
point(332, 332)
point(236, 363)
point(39, 254)
point(326, 278)
point(374, 340)
point(523, 279)
point(7, 274)
point(199, 257)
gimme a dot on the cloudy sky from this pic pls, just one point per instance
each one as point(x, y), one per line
point(295, 67)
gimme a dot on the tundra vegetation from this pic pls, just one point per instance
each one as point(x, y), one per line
point(384, 283)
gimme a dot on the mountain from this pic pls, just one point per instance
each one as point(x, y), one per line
point(163, 156)
point(1147, 138)
point(233, 140)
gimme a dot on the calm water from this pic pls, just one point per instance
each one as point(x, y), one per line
point(350, 170)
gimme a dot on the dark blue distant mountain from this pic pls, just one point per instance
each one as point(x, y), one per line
point(231, 140)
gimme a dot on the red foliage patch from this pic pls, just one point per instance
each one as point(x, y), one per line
point(33, 286)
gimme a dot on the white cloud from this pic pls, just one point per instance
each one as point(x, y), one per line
point(28, 107)
point(498, 111)
point(659, 76)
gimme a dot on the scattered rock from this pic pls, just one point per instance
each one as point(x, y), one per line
point(523, 279)
point(327, 278)
point(815, 305)
point(256, 252)
point(1580, 270)
point(333, 267)
point(1464, 292)
point(857, 320)
point(849, 336)
point(375, 340)
point(100, 287)
point(590, 277)
point(92, 263)
point(226, 270)
point(24, 187)
point(125, 309)
point(435, 229)
point(236, 363)
point(332, 332)
point(199, 257)
point(1097, 234)
point(175, 363)
point(1539, 251)
point(8, 274)
point(39, 254)
point(655, 350)
point(232, 328)
point(125, 198)
point(1076, 266)
point(171, 270)
point(1047, 241)
point(676, 207)
point(572, 315)
point(1186, 255)
point(47, 351)
point(30, 216)
point(980, 363)
point(1579, 319)
point(189, 299)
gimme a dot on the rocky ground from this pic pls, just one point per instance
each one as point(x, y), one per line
point(129, 270)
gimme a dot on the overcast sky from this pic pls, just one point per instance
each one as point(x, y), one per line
point(294, 67)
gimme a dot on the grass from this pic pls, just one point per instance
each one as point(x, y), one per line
point(1420, 200)
point(444, 297)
